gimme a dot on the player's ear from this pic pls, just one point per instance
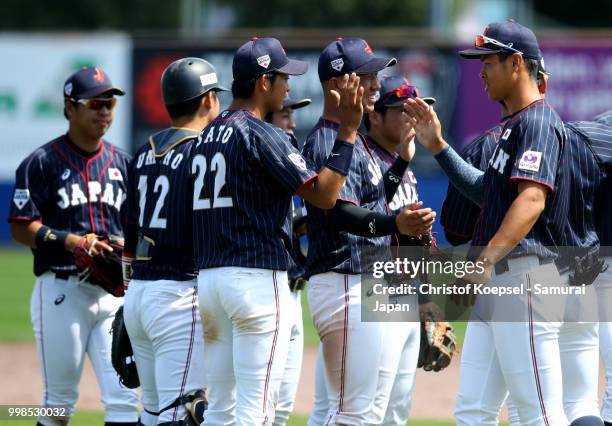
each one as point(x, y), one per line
point(517, 60)
point(375, 118)
point(69, 108)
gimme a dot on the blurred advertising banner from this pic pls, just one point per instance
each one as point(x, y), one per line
point(34, 68)
point(432, 70)
point(579, 87)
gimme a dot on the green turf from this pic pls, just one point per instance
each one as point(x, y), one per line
point(96, 418)
point(17, 283)
point(15, 326)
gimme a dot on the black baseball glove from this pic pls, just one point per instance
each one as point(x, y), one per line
point(101, 267)
point(122, 355)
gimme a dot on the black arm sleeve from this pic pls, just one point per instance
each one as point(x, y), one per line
point(393, 177)
point(359, 221)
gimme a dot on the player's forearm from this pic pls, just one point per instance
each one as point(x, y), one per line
point(25, 232)
point(360, 221)
point(520, 218)
point(466, 178)
point(323, 191)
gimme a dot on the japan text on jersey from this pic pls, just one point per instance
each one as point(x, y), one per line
point(338, 251)
point(406, 193)
point(159, 231)
point(70, 190)
point(244, 173)
point(532, 147)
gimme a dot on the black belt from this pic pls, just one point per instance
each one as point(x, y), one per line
point(63, 275)
point(502, 266)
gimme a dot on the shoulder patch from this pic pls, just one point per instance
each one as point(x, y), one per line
point(114, 174)
point(298, 160)
point(530, 161)
point(21, 197)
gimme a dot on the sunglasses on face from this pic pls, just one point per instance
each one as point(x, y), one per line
point(407, 91)
point(482, 41)
point(97, 104)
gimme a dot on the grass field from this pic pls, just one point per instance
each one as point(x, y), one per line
point(94, 418)
point(15, 325)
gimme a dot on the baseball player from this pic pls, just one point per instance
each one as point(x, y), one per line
point(338, 239)
point(524, 199)
point(601, 144)
point(245, 172)
point(161, 305)
point(389, 131)
point(458, 214)
point(70, 187)
point(284, 120)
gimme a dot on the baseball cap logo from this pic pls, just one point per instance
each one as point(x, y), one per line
point(367, 48)
point(337, 64)
point(99, 75)
point(264, 61)
point(68, 89)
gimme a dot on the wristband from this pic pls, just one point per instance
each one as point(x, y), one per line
point(49, 239)
point(340, 157)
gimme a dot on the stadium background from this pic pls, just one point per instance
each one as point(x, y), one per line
point(42, 42)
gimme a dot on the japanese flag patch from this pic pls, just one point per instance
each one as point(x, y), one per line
point(21, 197)
point(114, 174)
point(530, 161)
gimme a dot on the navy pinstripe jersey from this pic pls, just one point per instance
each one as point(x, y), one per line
point(329, 249)
point(459, 214)
point(158, 232)
point(532, 147)
point(586, 179)
point(599, 138)
point(245, 171)
point(406, 193)
point(71, 190)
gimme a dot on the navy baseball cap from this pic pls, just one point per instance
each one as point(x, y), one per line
point(395, 90)
point(349, 55)
point(90, 82)
point(293, 104)
point(504, 37)
point(263, 55)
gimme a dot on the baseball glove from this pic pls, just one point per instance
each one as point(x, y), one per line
point(438, 343)
point(103, 268)
point(122, 355)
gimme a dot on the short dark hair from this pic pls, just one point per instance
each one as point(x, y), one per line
point(244, 89)
point(366, 117)
point(532, 65)
point(188, 108)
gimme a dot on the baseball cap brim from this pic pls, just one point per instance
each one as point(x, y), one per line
point(400, 102)
point(293, 67)
point(220, 89)
point(296, 104)
point(101, 90)
point(374, 65)
point(477, 52)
